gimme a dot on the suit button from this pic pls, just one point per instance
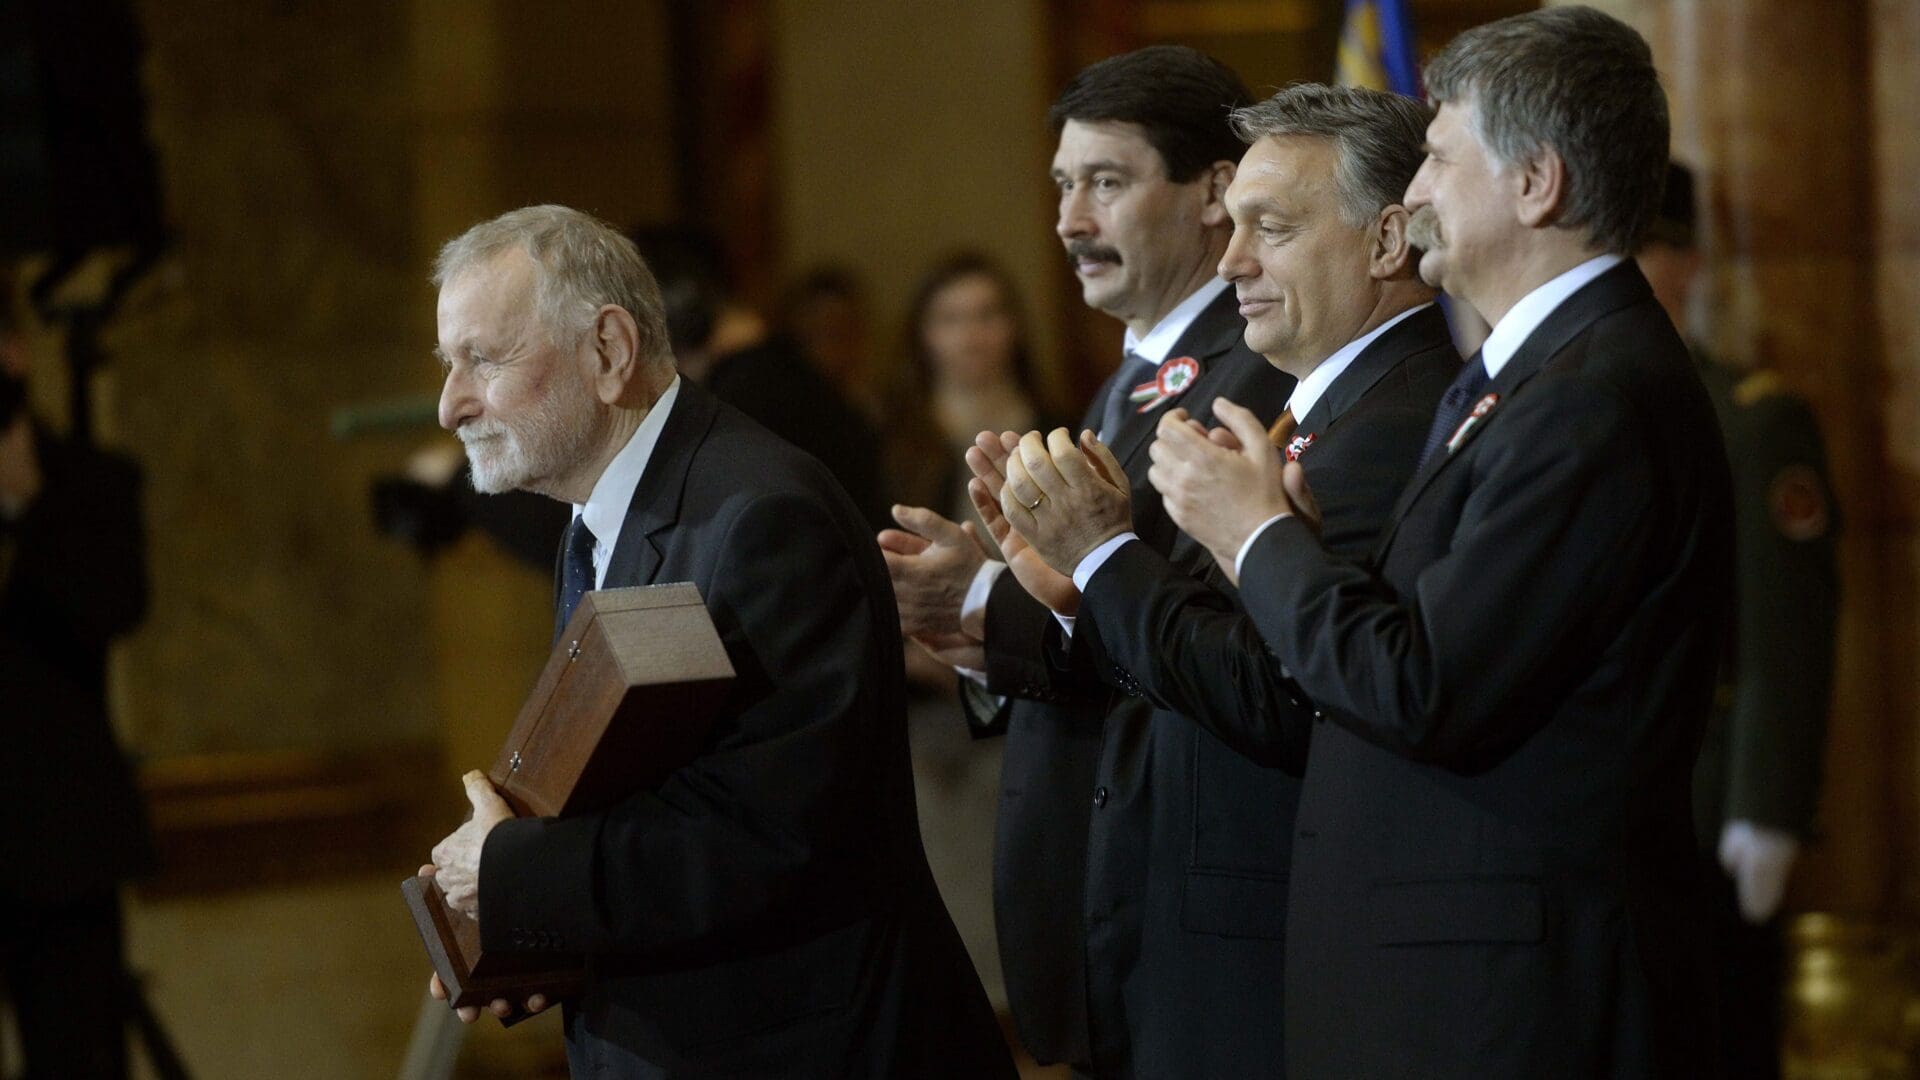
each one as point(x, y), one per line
point(1320, 716)
point(1099, 796)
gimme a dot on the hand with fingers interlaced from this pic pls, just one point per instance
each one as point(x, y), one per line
point(1220, 488)
point(1064, 498)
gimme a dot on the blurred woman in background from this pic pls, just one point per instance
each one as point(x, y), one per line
point(969, 369)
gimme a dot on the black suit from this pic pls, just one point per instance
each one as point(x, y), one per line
point(768, 910)
point(1072, 850)
point(1493, 870)
point(72, 577)
point(1206, 996)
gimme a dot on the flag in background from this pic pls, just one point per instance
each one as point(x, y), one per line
point(1376, 48)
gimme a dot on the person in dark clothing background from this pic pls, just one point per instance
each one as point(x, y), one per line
point(1756, 785)
point(73, 578)
point(772, 380)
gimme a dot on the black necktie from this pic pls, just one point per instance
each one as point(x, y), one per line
point(1459, 398)
point(1132, 370)
point(576, 572)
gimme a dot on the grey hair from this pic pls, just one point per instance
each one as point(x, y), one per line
point(583, 264)
point(1377, 138)
point(1581, 82)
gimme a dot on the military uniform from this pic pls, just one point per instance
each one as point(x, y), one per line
point(1764, 745)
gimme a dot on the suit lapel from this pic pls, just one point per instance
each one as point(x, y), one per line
point(1416, 333)
point(1211, 336)
point(1619, 287)
point(656, 499)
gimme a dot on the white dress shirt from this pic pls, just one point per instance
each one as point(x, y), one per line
point(606, 507)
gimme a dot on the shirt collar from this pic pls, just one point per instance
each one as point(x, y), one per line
point(1167, 332)
point(1526, 316)
point(606, 508)
point(1313, 386)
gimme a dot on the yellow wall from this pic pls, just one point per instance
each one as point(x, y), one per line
point(904, 131)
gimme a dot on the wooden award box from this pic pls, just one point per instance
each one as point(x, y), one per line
point(627, 697)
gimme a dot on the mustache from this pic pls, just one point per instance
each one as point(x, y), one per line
point(1423, 230)
point(476, 430)
point(1088, 251)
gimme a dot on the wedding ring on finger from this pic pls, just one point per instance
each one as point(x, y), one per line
point(1035, 504)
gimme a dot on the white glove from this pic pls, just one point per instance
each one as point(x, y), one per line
point(1758, 859)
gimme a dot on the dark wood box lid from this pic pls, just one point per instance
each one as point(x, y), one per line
point(625, 698)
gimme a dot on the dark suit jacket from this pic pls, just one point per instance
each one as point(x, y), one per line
point(1073, 837)
point(767, 911)
point(1205, 998)
point(1493, 868)
point(73, 576)
point(1761, 760)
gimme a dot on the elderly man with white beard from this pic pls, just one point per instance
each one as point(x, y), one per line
point(767, 909)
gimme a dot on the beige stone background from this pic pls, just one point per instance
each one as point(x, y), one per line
point(305, 691)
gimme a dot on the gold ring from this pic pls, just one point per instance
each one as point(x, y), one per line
point(1035, 505)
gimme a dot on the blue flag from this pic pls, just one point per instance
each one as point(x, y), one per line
point(1376, 48)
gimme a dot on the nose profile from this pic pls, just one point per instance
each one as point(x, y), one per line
point(458, 403)
point(1074, 221)
point(1236, 264)
point(1417, 195)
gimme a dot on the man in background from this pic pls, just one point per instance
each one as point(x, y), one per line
point(1142, 164)
point(1323, 271)
point(73, 579)
point(1756, 787)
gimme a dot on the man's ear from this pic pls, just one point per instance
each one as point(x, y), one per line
point(1541, 184)
point(1213, 213)
point(616, 353)
point(1389, 253)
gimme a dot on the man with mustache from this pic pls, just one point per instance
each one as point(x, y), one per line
point(1325, 277)
point(1493, 869)
point(1144, 158)
point(767, 910)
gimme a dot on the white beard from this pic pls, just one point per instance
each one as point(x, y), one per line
point(549, 440)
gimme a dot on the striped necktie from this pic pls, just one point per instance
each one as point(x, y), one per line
point(1459, 398)
point(1132, 370)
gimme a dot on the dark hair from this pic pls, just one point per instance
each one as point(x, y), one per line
point(1179, 97)
point(828, 281)
point(1581, 82)
point(1377, 137)
point(687, 263)
point(966, 264)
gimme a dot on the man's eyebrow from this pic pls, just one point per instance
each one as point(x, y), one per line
point(1260, 204)
point(1095, 167)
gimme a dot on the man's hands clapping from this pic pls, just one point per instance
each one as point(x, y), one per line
point(1052, 503)
point(1219, 486)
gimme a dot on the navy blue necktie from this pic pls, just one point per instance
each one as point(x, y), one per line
point(1454, 404)
point(576, 572)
